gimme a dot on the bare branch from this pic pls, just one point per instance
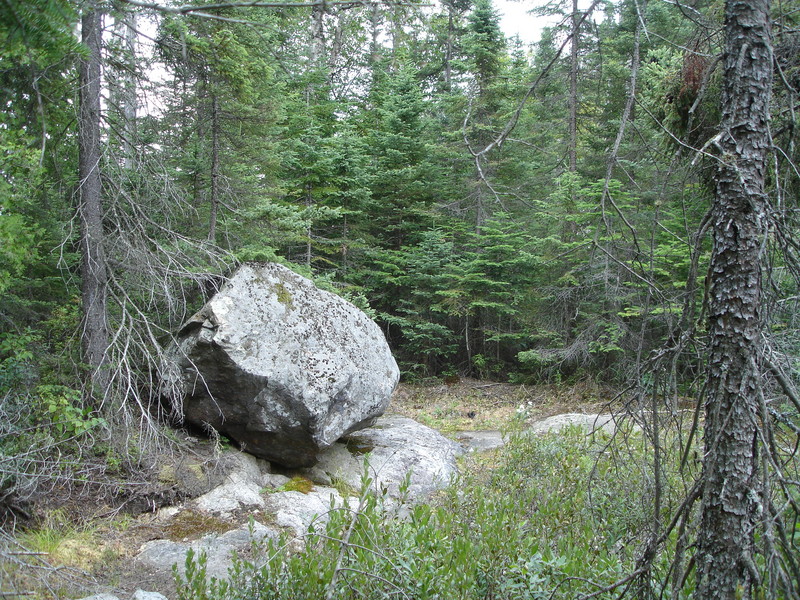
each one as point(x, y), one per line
point(202, 10)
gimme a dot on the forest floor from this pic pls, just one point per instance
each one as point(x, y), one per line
point(102, 544)
point(473, 405)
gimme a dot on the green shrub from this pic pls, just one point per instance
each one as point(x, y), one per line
point(545, 517)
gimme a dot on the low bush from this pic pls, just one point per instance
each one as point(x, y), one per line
point(550, 517)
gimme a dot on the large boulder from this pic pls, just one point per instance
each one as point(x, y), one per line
point(282, 367)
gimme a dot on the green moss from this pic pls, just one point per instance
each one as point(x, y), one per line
point(297, 484)
point(284, 296)
point(167, 475)
point(194, 524)
point(357, 447)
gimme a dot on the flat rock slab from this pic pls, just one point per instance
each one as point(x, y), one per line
point(137, 595)
point(479, 441)
point(300, 512)
point(590, 423)
point(395, 450)
point(161, 555)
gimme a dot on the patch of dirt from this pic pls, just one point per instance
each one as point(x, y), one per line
point(103, 523)
point(472, 405)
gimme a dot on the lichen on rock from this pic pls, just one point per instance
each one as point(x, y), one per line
point(278, 365)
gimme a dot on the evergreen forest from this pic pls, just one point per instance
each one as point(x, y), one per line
point(546, 212)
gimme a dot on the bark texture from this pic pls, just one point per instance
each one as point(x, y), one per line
point(730, 501)
point(215, 168)
point(90, 211)
point(573, 91)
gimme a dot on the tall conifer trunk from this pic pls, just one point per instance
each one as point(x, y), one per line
point(123, 94)
point(730, 493)
point(215, 167)
point(573, 92)
point(94, 276)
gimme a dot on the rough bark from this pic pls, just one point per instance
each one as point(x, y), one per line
point(215, 168)
point(573, 91)
point(448, 51)
point(124, 93)
point(94, 276)
point(317, 44)
point(730, 494)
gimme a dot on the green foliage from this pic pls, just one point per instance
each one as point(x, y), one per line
point(192, 583)
point(65, 542)
point(63, 407)
point(40, 24)
point(484, 43)
point(355, 168)
point(16, 360)
point(42, 431)
point(571, 526)
point(18, 236)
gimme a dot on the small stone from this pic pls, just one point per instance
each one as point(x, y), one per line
point(240, 489)
point(275, 480)
point(142, 595)
point(167, 512)
point(298, 511)
point(318, 476)
point(590, 423)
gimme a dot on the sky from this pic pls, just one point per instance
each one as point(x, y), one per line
point(516, 20)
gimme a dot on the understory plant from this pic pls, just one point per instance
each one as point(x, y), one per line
point(545, 517)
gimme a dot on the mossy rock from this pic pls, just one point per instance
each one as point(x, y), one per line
point(284, 296)
point(193, 480)
point(298, 483)
point(188, 477)
point(192, 524)
point(166, 475)
point(358, 447)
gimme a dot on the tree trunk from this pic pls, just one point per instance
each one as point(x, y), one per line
point(124, 91)
point(309, 229)
point(215, 142)
point(448, 53)
point(730, 490)
point(375, 29)
point(573, 92)
point(317, 46)
point(336, 45)
point(94, 278)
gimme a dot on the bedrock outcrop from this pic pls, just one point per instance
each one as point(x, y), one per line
point(280, 366)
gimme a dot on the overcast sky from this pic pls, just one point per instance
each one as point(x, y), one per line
point(517, 21)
